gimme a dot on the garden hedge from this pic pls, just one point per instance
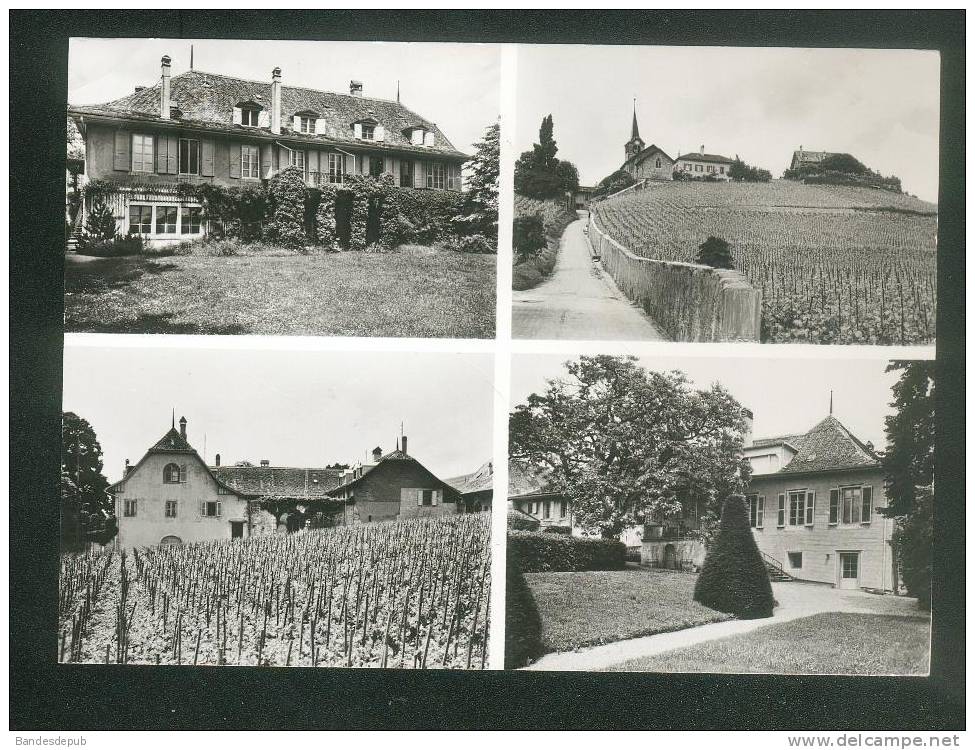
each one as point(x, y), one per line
point(734, 578)
point(538, 552)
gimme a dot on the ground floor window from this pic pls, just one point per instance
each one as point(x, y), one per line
point(426, 497)
point(795, 560)
point(406, 173)
point(562, 508)
point(140, 219)
point(250, 162)
point(436, 176)
point(336, 168)
point(171, 509)
point(375, 166)
point(191, 220)
point(130, 508)
point(547, 509)
point(166, 219)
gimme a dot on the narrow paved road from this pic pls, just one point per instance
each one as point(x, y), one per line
point(579, 301)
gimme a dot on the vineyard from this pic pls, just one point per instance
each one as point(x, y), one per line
point(400, 594)
point(836, 265)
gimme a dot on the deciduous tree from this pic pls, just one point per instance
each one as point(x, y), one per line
point(87, 512)
point(628, 446)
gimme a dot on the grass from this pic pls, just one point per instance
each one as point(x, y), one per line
point(828, 643)
point(410, 293)
point(595, 607)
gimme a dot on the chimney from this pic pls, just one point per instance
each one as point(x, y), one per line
point(355, 88)
point(747, 414)
point(127, 468)
point(702, 148)
point(276, 101)
point(139, 88)
point(265, 462)
point(182, 427)
point(377, 453)
point(217, 459)
point(164, 99)
point(404, 446)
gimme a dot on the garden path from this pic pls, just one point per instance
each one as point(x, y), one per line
point(579, 301)
point(795, 600)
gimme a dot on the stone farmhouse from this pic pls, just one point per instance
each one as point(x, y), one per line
point(171, 496)
point(199, 127)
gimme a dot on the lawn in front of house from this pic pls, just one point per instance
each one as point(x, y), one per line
point(827, 643)
point(418, 293)
point(594, 607)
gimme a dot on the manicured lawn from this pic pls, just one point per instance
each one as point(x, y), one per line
point(423, 294)
point(828, 643)
point(594, 607)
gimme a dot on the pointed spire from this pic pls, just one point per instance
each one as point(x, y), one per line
point(397, 92)
point(191, 57)
point(831, 403)
point(636, 128)
point(174, 418)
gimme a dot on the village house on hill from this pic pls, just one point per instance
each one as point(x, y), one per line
point(199, 127)
point(802, 158)
point(714, 166)
point(171, 496)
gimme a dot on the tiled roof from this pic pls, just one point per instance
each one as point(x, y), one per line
point(521, 480)
point(828, 446)
point(281, 481)
point(811, 157)
point(396, 455)
point(170, 442)
point(713, 158)
point(478, 481)
point(646, 153)
point(208, 100)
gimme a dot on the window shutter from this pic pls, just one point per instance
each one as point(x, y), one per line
point(379, 134)
point(160, 147)
point(263, 119)
point(235, 160)
point(760, 514)
point(867, 505)
point(436, 497)
point(428, 138)
point(237, 118)
point(296, 124)
point(203, 508)
point(123, 151)
point(419, 497)
point(781, 519)
point(171, 154)
point(357, 130)
point(320, 126)
point(206, 158)
point(182, 473)
point(810, 508)
point(265, 154)
point(834, 507)
point(416, 137)
point(219, 511)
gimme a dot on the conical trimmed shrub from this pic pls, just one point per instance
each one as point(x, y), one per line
point(734, 578)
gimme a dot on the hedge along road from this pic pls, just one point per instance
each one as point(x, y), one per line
point(579, 301)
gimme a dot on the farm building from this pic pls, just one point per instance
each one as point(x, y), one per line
point(814, 502)
point(802, 158)
point(196, 128)
point(704, 165)
point(171, 496)
point(476, 489)
point(645, 162)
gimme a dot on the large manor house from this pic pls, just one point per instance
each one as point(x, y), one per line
point(172, 496)
point(814, 503)
point(199, 127)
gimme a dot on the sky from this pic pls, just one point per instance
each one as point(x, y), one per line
point(762, 104)
point(455, 86)
point(786, 396)
point(297, 408)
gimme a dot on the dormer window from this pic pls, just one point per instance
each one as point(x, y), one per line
point(306, 124)
point(368, 132)
point(249, 116)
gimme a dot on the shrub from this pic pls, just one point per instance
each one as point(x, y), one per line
point(734, 578)
point(564, 530)
point(615, 182)
point(528, 237)
point(475, 243)
point(131, 244)
point(287, 195)
point(715, 252)
point(541, 553)
point(523, 625)
point(99, 230)
point(522, 521)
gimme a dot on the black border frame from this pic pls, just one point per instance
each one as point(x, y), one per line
point(44, 695)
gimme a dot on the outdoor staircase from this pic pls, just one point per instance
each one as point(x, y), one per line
point(77, 225)
point(774, 567)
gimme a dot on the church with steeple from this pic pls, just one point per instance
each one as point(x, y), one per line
point(645, 162)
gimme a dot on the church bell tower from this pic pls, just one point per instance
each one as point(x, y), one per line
point(635, 144)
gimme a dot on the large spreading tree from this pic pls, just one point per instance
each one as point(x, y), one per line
point(539, 173)
point(909, 469)
point(479, 212)
point(630, 446)
point(87, 512)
